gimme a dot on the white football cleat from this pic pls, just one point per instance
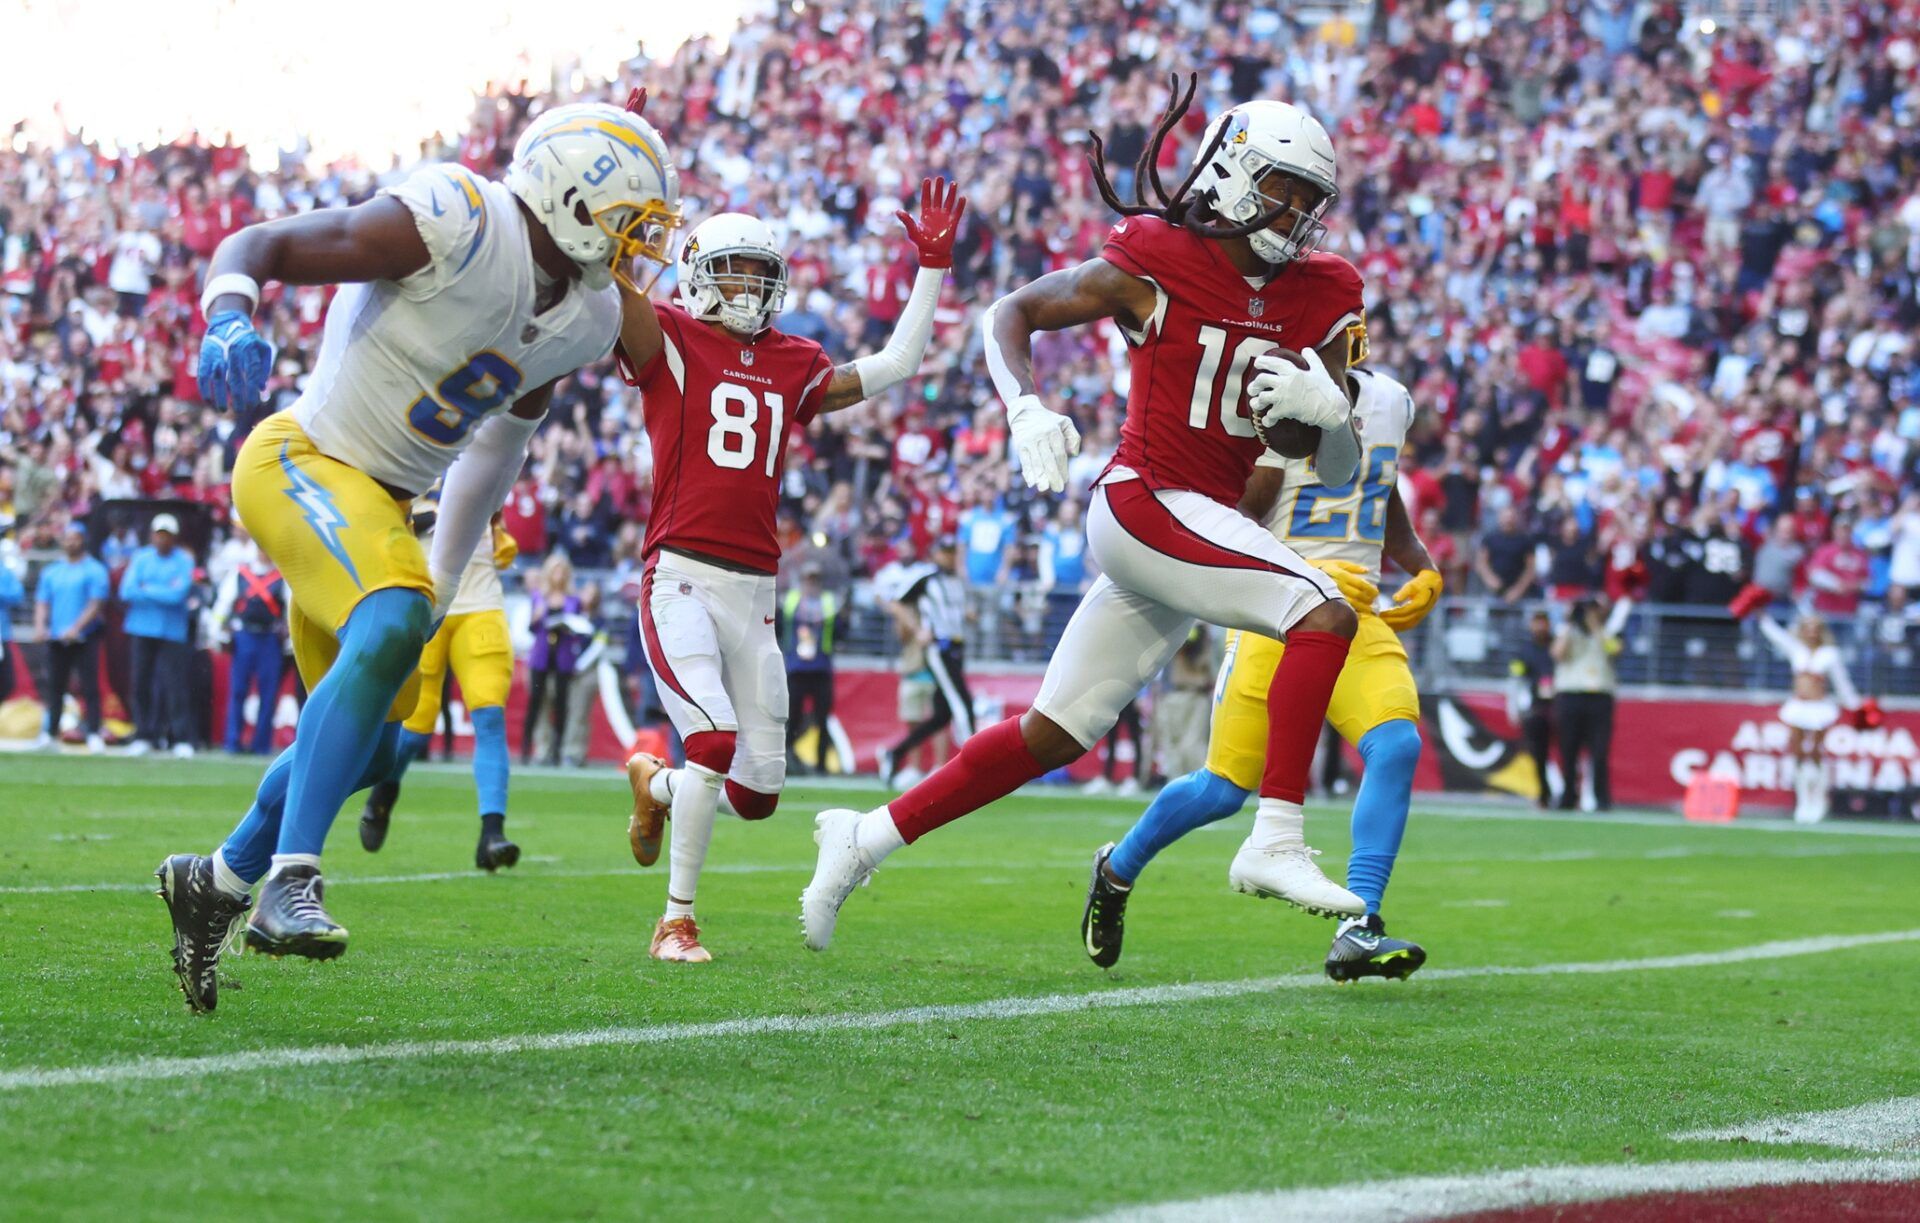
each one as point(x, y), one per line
point(183, 751)
point(1292, 876)
point(139, 747)
point(841, 868)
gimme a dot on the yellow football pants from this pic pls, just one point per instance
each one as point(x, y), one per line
point(333, 532)
point(1376, 686)
point(476, 645)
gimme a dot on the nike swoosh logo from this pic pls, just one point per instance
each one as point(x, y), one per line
point(435, 201)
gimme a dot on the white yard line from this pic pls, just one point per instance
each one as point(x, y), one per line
point(1888, 1126)
point(172, 1068)
point(1439, 1197)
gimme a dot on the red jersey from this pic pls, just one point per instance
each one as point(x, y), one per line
point(718, 411)
point(1187, 424)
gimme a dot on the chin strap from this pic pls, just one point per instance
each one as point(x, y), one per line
point(900, 359)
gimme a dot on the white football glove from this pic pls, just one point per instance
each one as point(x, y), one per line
point(445, 587)
point(1284, 391)
point(1044, 440)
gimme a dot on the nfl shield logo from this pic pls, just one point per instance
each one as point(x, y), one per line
point(1256, 307)
point(746, 356)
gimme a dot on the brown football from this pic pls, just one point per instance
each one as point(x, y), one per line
point(1290, 439)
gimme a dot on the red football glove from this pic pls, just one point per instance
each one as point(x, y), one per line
point(1751, 599)
point(941, 207)
point(1868, 716)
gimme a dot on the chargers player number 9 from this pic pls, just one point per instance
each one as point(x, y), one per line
point(463, 398)
point(736, 410)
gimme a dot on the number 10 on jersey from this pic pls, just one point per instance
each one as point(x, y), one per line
point(736, 410)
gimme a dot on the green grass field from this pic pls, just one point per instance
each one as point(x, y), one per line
point(1022, 1110)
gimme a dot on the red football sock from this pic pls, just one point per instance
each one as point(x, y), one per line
point(990, 766)
point(1296, 708)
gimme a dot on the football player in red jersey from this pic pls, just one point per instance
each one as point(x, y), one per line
point(721, 388)
point(1204, 286)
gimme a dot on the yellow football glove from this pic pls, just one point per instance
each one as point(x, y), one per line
point(505, 547)
point(1351, 578)
point(1412, 602)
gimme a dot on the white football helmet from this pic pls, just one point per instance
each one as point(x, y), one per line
point(602, 182)
point(1262, 137)
point(715, 288)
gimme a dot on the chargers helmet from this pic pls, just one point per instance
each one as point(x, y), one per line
point(747, 302)
point(1262, 137)
point(602, 182)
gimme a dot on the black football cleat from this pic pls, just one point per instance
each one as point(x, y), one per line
point(376, 814)
point(1361, 948)
point(494, 851)
point(1103, 921)
point(205, 920)
point(291, 920)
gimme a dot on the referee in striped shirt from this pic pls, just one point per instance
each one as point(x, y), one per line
point(937, 599)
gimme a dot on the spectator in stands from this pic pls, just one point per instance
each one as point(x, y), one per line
point(1504, 561)
point(1573, 567)
point(1837, 571)
point(70, 601)
point(809, 620)
point(1583, 688)
point(250, 612)
point(1715, 560)
point(1063, 555)
point(156, 589)
point(987, 531)
point(1776, 562)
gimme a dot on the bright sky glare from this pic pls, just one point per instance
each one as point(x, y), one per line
point(362, 77)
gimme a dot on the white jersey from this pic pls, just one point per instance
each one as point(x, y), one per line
point(408, 368)
point(1348, 522)
point(1823, 660)
point(480, 588)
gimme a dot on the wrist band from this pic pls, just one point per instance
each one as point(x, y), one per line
point(238, 283)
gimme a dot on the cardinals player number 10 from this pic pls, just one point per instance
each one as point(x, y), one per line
point(1213, 344)
point(736, 410)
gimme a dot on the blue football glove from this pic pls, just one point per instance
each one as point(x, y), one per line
point(234, 362)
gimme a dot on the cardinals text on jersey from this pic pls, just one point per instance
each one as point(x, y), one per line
point(718, 410)
point(1348, 522)
point(407, 368)
point(1187, 424)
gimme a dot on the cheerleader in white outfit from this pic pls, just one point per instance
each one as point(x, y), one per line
point(1819, 677)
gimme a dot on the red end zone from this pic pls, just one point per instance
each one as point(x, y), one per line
point(1810, 1203)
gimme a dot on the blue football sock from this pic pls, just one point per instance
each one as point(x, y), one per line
point(248, 849)
point(1390, 752)
point(490, 759)
point(1187, 802)
point(410, 747)
point(345, 721)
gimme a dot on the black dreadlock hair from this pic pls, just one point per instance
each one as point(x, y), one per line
point(1178, 208)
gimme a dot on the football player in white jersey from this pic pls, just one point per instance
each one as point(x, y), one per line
point(1343, 530)
point(464, 302)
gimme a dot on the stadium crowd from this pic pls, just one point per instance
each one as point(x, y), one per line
point(1653, 280)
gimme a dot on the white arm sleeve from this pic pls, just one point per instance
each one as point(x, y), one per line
point(475, 487)
point(997, 368)
point(1780, 639)
point(1843, 683)
point(900, 359)
point(1617, 618)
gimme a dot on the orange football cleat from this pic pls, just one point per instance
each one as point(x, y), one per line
point(649, 817)
point(677, 939)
